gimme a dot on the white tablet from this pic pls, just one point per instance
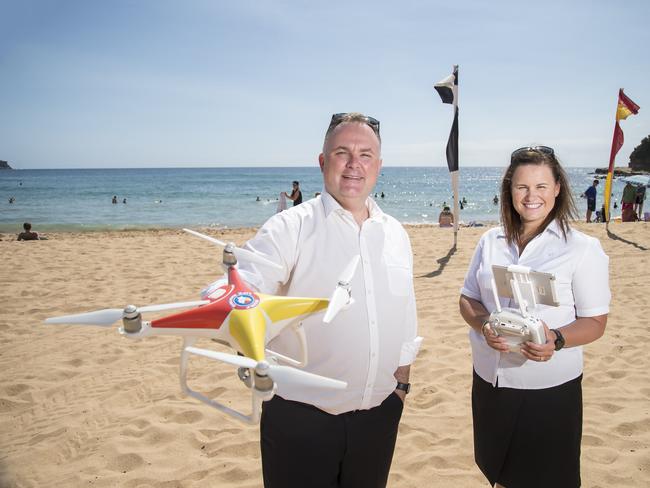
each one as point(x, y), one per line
point(541, 284)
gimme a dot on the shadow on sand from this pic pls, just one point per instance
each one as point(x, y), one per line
point(442, 262)
point(613, 236)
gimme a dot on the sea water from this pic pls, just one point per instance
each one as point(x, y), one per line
point(80, 199)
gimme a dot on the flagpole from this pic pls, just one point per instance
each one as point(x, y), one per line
point(610, 172)
point(454, 174)
point(448, 91)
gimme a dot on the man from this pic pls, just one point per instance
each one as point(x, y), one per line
point(638, 201)
point(590, 193)
point(344, 438)
point(296, 194)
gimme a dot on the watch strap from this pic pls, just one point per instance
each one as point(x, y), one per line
point(405, 387)
point(559, 339)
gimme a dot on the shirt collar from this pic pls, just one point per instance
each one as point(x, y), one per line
point(331, 205)
point(553, 227)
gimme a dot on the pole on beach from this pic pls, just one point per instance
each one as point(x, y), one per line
point(448, 91)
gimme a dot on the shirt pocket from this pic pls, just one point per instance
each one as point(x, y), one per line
point(399, 280)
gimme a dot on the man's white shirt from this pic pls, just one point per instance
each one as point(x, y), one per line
point(365, 343)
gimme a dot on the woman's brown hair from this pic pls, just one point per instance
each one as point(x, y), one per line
point(563, 210)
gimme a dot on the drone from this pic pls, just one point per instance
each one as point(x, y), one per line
point(235, 316)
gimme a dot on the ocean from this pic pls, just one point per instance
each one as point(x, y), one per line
point(80, 199)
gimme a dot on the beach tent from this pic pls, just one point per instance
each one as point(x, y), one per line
point(637, 180)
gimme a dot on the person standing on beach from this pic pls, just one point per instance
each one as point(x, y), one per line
point(528, 404)
point(638, 201)
point(627, 203)
point(590, 194)
point(296, 194)
point(323, 438)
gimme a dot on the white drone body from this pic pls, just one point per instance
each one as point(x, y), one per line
point(529, 288)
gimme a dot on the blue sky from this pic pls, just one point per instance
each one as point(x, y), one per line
point(150, 83)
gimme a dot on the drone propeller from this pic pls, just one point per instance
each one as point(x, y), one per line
point(279, 374)
point(108, 316)
point(341, 296)
point(240, 254)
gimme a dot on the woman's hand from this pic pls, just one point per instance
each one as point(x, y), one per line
point(493, 340)
point(540, 352)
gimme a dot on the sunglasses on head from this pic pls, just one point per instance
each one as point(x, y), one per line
point(540, 149)
point(338, 118)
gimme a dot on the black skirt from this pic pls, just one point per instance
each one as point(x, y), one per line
point(528, 438)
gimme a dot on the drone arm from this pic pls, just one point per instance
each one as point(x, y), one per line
point(302, 340)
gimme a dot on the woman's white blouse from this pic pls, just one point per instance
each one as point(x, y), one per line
point(582, 277)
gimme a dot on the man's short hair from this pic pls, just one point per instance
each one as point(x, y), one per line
point(27, 226)
point(596, 182)
point(296, 183)
point(357, 117)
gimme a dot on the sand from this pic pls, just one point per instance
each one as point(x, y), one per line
point(82, 406)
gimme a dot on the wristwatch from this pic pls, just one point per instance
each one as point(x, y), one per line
point(559, 339)
point(405, 387)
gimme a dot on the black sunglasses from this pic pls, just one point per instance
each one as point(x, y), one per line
point(338, 118)
point(541, 149)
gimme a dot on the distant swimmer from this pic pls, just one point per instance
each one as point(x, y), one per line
point(495, 200)
point(257, 199)
point(382, 195)
point(11, 200)
point(114, 201)
point(157, 201)
point(124, 201)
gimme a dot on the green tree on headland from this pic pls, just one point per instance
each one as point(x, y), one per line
point(640, 157)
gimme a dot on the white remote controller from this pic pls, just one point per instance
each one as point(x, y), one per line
point(516, 329)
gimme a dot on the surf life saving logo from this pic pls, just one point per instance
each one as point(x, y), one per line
point(244, 300)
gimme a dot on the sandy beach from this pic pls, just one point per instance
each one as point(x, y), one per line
point(82, 406)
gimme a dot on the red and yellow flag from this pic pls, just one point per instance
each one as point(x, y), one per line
point(624, 109)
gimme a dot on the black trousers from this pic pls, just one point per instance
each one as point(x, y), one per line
point(304, 447)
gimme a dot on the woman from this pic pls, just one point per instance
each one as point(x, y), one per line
point(446, 218)
point(527, 405)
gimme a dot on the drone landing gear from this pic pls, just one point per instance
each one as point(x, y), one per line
point(262, 388)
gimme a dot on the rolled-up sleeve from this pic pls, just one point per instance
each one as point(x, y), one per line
point(590, 282)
